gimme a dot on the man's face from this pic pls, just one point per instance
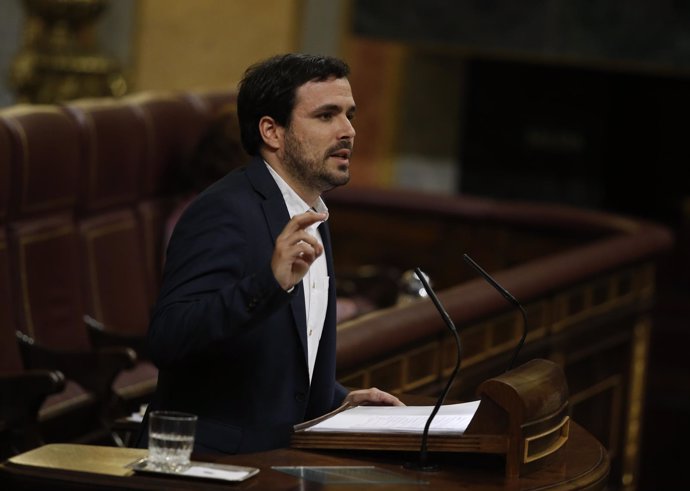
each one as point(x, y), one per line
point(319, 138)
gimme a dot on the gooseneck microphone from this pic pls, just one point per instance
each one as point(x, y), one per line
point(506, 294)
point(423, 463)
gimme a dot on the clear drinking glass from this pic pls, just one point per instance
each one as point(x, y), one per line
point(171, 439)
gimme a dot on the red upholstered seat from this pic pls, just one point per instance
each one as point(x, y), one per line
point(44, 257)
point(115, 148)
point(45, 163)
point(5, 156)
point(118, 282)
point(174, 124)
point(153, 214)
point(114, 143)
point(45, 160)
point(212, 100)
point(10, 360)
point(86, 188)
point(47, 281)
point(117, 296)
point(22, 392)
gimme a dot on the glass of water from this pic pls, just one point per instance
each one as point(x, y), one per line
point(171, 439)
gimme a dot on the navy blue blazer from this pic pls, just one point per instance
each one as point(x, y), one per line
point(229, 342)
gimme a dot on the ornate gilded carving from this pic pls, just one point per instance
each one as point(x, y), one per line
point(60, 58)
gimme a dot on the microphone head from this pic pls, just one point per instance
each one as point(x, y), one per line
point(411, 286)
point(506, 294)
point(423, 278)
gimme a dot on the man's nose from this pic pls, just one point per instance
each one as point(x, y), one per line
point(348, 129)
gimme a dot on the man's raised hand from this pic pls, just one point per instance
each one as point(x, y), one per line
point(296, 249)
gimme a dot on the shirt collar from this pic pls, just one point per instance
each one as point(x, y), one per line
point(294, 203)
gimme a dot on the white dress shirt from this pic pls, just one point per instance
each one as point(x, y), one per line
point(315, 282)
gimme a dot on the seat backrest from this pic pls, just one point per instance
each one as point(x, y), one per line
point(22, 392)
point(10, 360)
point(174, 125)
point(116, 280)
point(46, 160)
point(153, 216)
point(114, 142)
point(45, 255)
point(5, 156)
point(212, 100)
point(43, 248)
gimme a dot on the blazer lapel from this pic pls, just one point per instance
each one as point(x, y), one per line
point(277, 217)
point(326, 239)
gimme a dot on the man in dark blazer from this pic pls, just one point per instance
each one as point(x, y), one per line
point(243, 332)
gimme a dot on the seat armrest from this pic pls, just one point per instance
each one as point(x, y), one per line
point(101, 337)
point(94, 370)
point(22, 393)
point(21, 397)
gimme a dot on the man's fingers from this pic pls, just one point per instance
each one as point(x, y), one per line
point(304, 220)
point(306, 251)
point(296, 249)
point(300, 237)
point(373, 396)
point(295, 231)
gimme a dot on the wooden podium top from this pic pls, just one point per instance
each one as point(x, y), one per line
point(583, 464)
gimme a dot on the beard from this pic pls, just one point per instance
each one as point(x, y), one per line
point(312, 171)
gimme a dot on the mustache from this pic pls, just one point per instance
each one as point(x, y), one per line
point(345, 144)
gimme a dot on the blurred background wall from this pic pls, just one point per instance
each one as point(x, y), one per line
point(454, 95)
point(583, 102)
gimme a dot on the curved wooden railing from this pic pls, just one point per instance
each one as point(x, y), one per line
point(586, 279)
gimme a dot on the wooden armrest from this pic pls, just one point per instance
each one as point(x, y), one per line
point(101, 337)
point(22, 393)
point(94, 370)
point(21, 397)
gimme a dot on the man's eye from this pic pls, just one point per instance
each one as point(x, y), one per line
point(325, 116)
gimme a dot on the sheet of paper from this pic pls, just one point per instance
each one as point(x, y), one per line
point(207, 472)
point(450, 419)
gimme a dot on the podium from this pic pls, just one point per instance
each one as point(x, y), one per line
point(522, 416)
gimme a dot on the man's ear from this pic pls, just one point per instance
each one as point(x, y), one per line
point(271, 133)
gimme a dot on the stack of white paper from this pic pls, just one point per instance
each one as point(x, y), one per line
point(450, 419)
